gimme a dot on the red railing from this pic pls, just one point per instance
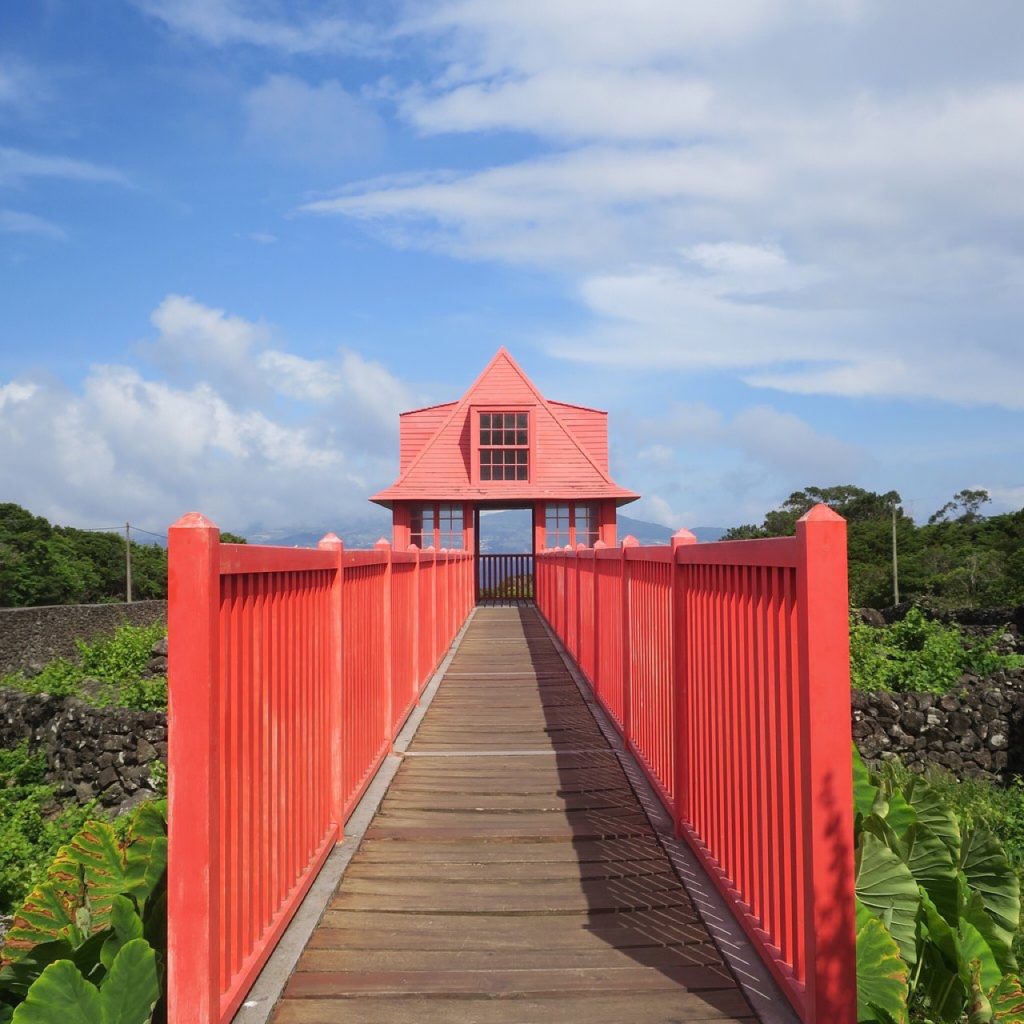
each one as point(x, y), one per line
point(505, 577)
point(726, 668)
point(290, 673)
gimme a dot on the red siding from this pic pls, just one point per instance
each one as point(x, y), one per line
point(568, 450)
point(416, 428)
point(588, 426)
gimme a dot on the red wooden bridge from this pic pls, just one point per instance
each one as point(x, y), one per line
point(640, 736)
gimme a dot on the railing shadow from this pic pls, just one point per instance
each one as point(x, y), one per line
point(634, 899)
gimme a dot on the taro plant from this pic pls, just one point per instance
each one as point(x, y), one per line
point(88, 943)
point(938, 908)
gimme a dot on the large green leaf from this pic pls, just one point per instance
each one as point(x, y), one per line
point(864, 789)
point(932, 866)
point(146, 856)
point(976, 957)
point(60, 996)
point(882, 974)
point(900, 815)
point(933, 813)
point(989, 874)
point(939, 977)
point(125, 925)
point(1007, 1000)
point(131, 988)
point(886, 887)
point(96, 850)
point(974, 911)
point(48, 914)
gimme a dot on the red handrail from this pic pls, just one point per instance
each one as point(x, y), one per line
point(726, 668)
point(290, 673)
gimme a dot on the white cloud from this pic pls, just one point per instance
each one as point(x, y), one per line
point(18, 165)
point(262, 237)
point(307, 379)
point(127, 445)
point(569, 104)
point(299, 121)
point(19, 222)
point(740, 187)
point(272, 25)
point(768, 440)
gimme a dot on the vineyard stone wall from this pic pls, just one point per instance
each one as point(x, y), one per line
point(31, 637)
point(104, 754)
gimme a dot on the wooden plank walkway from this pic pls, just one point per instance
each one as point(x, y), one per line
point(510, 876)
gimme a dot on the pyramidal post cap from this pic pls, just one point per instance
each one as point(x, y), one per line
point(683, 536)
point(329, 540)
point(821, 513)
point(194, 521)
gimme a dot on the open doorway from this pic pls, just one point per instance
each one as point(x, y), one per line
point(504, 554)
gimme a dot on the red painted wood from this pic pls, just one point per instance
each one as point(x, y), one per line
point(290, 673)
point(726, 667)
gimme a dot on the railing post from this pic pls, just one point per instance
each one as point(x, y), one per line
point(416, 617)
point(193, 912)
point(825, 736)
point(433, 609)
point(386, 612)
point(331, 542)
point(680, 682)
point(599, 545)
point(579, 603)
point(627, 648)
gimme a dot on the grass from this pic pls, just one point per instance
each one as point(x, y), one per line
point(33, 825)
point(116, 663)
point(918, 655)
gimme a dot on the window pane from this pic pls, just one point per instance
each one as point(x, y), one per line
point(509, 420)
point(485, 437)
point(521, 420)
point(485, 419)
point(521, 473)
point(485, 457)
point(485, 472)
point(520, 437)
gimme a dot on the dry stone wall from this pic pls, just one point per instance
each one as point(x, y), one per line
point(31, 637)
point(104, 754)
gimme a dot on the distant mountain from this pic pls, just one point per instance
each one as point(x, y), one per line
point(500, 532)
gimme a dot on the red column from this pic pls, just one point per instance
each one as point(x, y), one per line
point(680, 702)
point(825, 733)
point(385, 610)
point(627, 647)
point(193, 865)
point(331, 542)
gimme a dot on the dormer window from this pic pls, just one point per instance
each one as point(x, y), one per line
point(504, 446)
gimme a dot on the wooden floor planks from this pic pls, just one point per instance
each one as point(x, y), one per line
point(510, 875)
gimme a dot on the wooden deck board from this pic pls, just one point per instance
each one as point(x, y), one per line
point(510, 875)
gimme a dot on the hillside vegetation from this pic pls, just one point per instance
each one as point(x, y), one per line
point(45, 564)
point(960, 558)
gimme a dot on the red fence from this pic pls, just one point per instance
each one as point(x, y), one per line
point(726, 668)
point(505, 577)
point(291, 672)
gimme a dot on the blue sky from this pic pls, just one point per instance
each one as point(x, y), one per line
point(779, 240)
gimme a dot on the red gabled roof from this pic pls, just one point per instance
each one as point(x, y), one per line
point(569, 446)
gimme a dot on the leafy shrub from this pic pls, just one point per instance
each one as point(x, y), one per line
point(919, 655)
point(32, 825)
point(92, 935)
point(938, 909)
point(121, 657)
point(117, 662)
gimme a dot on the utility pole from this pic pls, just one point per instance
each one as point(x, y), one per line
point(128, 562)
point(895, 562)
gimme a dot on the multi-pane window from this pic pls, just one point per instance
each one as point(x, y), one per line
point(421, 526)
point(504, 446)
point(570, 524)
point(586, 524)
point(449, 525)
point(556, 525)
